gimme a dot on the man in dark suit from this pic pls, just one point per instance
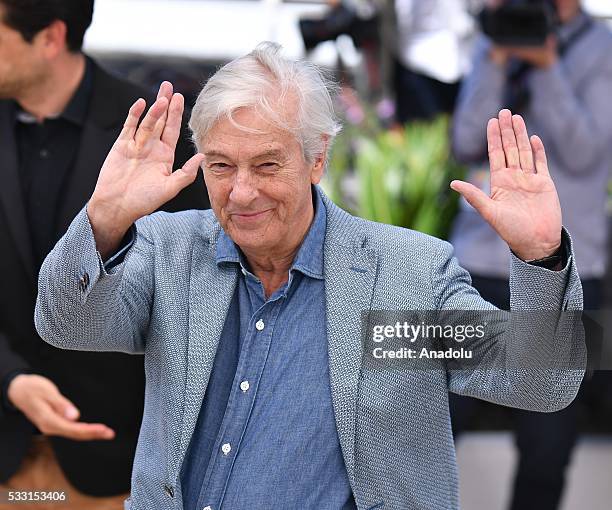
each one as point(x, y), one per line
point(59, 115)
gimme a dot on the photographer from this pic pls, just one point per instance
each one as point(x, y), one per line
point(562, 89)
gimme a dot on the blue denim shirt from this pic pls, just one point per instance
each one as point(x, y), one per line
point(266, 435)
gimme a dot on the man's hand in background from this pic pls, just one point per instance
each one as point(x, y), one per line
point(52, 413)
point(541, 57)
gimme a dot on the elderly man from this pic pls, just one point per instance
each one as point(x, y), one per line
point(250, 316)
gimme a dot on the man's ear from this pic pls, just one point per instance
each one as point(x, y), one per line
point(318, 168)
point(52, 39)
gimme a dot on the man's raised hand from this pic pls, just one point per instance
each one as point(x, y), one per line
point(136, 177)
point(523, 207)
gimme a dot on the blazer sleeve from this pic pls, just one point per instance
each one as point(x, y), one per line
point(10, 361)
point(82, 306)
point(11, 364)
point(532, 357)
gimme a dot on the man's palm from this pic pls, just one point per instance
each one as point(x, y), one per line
point(137, 178)
point(523, 207)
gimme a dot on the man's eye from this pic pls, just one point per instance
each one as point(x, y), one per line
point(219, 166)
point(268, 165)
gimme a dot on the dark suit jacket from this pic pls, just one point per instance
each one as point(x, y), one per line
point(106, 387)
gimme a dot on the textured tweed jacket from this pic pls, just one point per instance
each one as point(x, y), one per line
point(169, 299)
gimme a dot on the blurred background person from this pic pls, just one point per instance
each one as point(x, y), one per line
point(431, 55)
point(65, 417)
point(357, 21)
point(557, 72)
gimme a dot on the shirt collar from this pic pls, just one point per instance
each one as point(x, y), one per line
point(76, 109)
point(309, 258)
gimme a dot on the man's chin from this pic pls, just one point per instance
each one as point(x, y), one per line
point(248, 238)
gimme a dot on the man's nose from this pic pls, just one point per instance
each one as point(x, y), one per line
point(244, 189)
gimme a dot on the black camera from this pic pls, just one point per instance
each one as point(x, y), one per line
point(339, 20)
point(520, 22)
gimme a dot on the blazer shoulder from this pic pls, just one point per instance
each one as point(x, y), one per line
point(112, 97)
point(603, 31)
point(111, 85)
point(394, 245)
point(397, 241)
point(598, 40)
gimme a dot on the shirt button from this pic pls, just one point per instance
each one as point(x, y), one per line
point(226, 448)
point(260, 325)
point(207, 508)
point(44, 153)
point(244, 386)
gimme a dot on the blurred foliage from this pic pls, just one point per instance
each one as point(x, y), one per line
point(402, 175)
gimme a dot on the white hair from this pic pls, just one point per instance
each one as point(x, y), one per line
point(263, 79)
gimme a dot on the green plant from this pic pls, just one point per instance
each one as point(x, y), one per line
point(402, 176)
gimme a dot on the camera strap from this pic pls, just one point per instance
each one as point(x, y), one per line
point(585, 26)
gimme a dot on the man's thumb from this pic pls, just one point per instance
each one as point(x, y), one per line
point(477, 198)
point(183, 177)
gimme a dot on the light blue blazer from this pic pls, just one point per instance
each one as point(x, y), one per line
point(168, 299)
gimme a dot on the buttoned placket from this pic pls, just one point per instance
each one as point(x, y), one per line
point(254, 351)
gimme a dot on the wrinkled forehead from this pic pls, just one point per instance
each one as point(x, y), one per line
point(249, 132)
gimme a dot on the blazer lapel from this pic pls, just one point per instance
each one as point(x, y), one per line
point(95, 144)
point(211, 289)
point(102, 126)
point(350, 270)
point(11, 195)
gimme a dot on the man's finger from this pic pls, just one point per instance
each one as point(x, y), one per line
point(497, 158)
point(477, 198)
point(147, 126)
point(524, 146)
point(172, 129)
point(509, 139)
point(131, 122)
point(539, 153)
point(62, 406)
point(165, 90)
point(86, 431)
point(56, 425)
